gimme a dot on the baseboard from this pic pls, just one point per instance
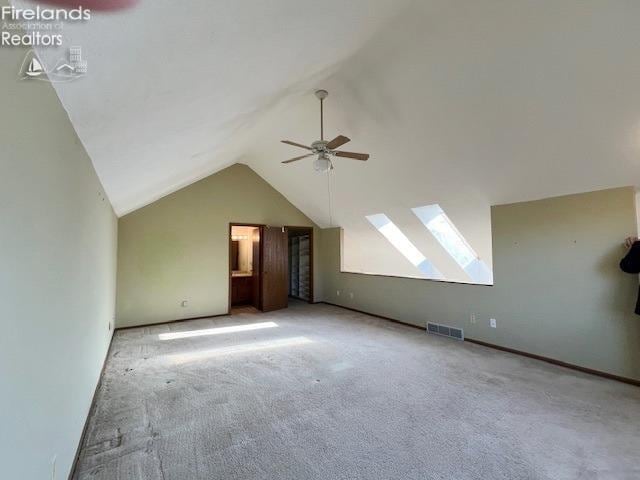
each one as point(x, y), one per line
point(173, 321)
point(74, 465)
point(541, 358)
point(301, 299)
point(377, 316)
point(534, 356)
point(559, 363)
point(92, 407)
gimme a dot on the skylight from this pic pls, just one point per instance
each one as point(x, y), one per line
point(443, 229)
point(400, 241)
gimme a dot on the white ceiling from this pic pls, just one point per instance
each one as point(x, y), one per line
point(465, 103)
point(170, 83)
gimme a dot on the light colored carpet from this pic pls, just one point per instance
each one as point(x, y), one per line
point(332, 394)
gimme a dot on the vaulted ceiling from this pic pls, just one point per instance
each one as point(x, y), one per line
point(463, 103)
point(171, 84)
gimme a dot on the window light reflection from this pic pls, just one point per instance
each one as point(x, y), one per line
point(235, 349)
point(216, 331)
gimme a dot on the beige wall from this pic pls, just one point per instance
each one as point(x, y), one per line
point(558, 289)
point(177, 248)
point(57, 279)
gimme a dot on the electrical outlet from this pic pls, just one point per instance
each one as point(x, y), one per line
point(184, 303)
point(472, 318)
point(493, 323)
point(351, 295)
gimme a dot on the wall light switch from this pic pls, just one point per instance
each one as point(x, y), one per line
point(338, 293)
point(351, 295)
point(184, 303)
point(493, 323)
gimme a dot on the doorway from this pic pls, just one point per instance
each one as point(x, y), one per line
point(245, 266)
point(268, 265)
point(300, 263)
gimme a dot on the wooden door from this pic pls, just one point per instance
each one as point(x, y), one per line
point(256, 297)
point(275, 265)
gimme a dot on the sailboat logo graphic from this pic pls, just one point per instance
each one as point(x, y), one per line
point(35, 68)
point(65, 70)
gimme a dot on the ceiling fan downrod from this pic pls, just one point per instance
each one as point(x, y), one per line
point(322, 94)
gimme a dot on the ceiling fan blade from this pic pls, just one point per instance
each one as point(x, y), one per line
point(289, 142)
point(337, 142)
point(298, 158)
point(355, 156)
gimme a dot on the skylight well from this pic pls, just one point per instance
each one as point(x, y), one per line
point(445, 232)
point(400, 241)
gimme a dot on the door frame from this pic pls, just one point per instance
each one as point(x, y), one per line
point(260, 226)
point(308, 230)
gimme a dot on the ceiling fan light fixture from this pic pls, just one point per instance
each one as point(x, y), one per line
point(324, 148)
point(322, 163)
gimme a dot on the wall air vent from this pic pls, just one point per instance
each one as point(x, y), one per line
point(443, 330)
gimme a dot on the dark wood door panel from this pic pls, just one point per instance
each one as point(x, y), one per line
point(256, 294)
point(275, 266)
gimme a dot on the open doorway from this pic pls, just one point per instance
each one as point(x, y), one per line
point(300, 263)
point(268, 265)
point(245, 274)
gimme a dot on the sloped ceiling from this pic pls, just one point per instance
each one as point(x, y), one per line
point(464, 103)
point(169, 83)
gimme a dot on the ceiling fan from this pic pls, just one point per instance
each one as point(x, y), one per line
point(323, 149)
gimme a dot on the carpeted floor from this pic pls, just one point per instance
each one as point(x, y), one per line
point(325, 393)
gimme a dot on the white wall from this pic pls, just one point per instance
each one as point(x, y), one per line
point(58, 239)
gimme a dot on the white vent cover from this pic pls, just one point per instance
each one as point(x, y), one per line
point(445, 331)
